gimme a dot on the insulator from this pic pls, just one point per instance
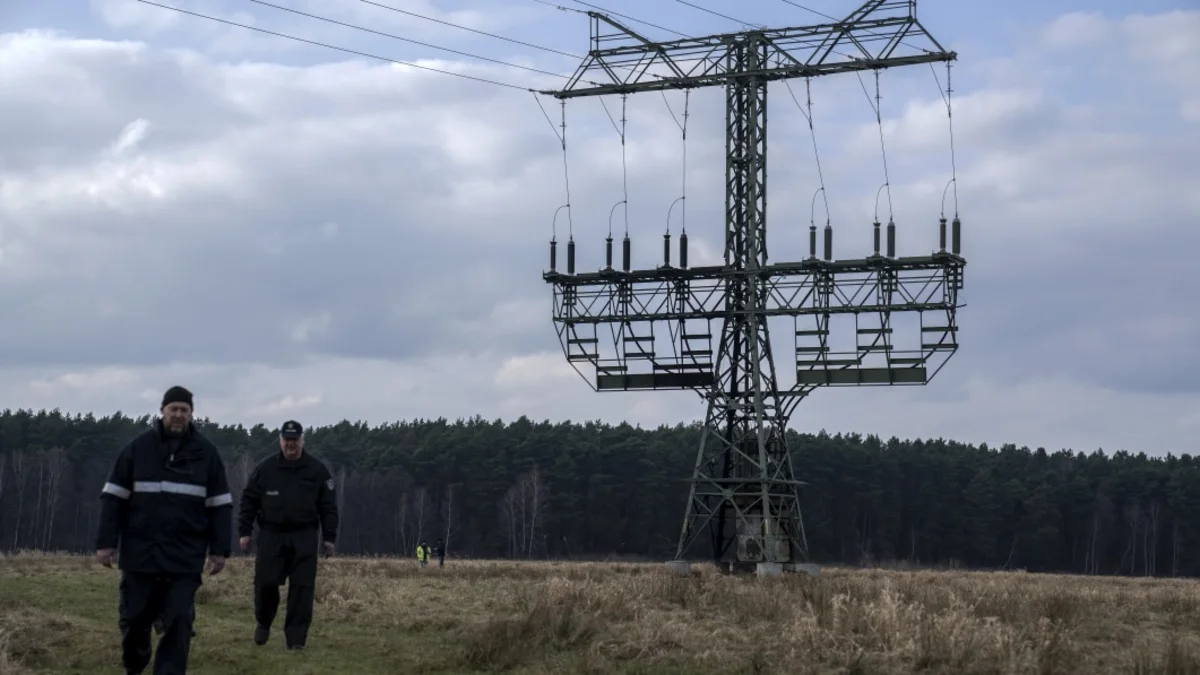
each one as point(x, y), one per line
point(571, 256)
point(667, 250)
point(956, 236)
point(553, 255)
point(625, 250)
point(608, 253)
point(829, 242)
point(942, 233)
point(812, 241)
point(891, 239)
point(877, 237)
point(683, 251)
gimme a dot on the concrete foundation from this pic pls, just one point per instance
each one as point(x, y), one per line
point(681, 567)
point(803, 568)
point(769, 569)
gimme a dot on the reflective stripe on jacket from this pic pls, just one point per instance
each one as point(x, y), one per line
point(166, 507)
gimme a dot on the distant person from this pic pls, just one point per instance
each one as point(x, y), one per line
point(291, 495)
point(423, 554)
point(439, 549)
point(166, 505)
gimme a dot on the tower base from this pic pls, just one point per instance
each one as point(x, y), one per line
point(681, 567)
point(769, 569)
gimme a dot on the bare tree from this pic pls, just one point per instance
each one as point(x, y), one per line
point(35, 528)
point(1133, 518)
point(340, 481)
point(1102, 517)
point(537, 499)
point(508, 520)
point(419, 513)
point(448, 510)
point(21, 467)
point(239, 476)
point(1175, 548)
point(522, 512)
point(55, 462)
point(242, 469)
point(3, 466)
point(402, 524)
point(1150, 539)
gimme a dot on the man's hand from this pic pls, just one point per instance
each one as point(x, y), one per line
point(216, 563)
point(329, 548)
point(245, 542)
point(105, 556)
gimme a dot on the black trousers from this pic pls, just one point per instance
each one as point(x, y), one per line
point(145, 598)
point(289, 557)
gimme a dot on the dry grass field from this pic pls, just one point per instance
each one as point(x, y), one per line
point(58, 614)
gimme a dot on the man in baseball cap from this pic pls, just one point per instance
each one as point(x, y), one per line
point(290, 495)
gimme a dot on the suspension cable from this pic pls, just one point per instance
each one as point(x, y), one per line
point(808, 116)
point(566, 175)
point(877, 107)
point(410, 40)
point(682, 200)
point(624, 166)
point(294, 38)
point(946, 98)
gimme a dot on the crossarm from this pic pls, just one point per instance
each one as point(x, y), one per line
point(810, 287)
point(871, 38)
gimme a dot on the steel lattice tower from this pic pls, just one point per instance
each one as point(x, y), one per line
point(743, 492)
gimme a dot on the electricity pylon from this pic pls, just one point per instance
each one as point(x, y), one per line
point(743, 490)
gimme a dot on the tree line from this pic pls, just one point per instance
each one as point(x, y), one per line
point(588, 490)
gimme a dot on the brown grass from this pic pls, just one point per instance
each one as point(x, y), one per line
point(383, 616)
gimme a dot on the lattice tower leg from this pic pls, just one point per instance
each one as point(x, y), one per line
point(742, 490)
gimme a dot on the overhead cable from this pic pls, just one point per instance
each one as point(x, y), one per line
point(340, 49)
point(404, 39)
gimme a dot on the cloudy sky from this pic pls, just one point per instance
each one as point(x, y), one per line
point(294, 231)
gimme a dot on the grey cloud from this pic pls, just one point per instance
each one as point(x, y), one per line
point(380, 217)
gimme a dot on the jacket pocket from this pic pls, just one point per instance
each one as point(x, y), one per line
point(273, 507)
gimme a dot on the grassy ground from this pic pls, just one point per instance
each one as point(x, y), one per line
point(58, 614)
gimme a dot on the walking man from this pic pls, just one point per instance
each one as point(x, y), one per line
point(439, 549)
point(166, 505)
point(290, 495)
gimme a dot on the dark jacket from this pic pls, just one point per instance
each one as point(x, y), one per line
point(289, 496)
point(166, 507)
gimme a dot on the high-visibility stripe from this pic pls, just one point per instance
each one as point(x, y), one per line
point(168, 486)
point(219, 500)
point(115, 490)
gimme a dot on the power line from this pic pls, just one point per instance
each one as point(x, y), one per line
point(809, 9)
point(501, 37)
point(715, 13)
point(404, 39)
point(340, 49)
point(609, 11)
point(473, 30)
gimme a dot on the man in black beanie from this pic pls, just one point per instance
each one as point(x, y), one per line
point(167, 505)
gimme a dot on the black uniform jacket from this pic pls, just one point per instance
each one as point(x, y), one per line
point(289, 496)
point(166, 508)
